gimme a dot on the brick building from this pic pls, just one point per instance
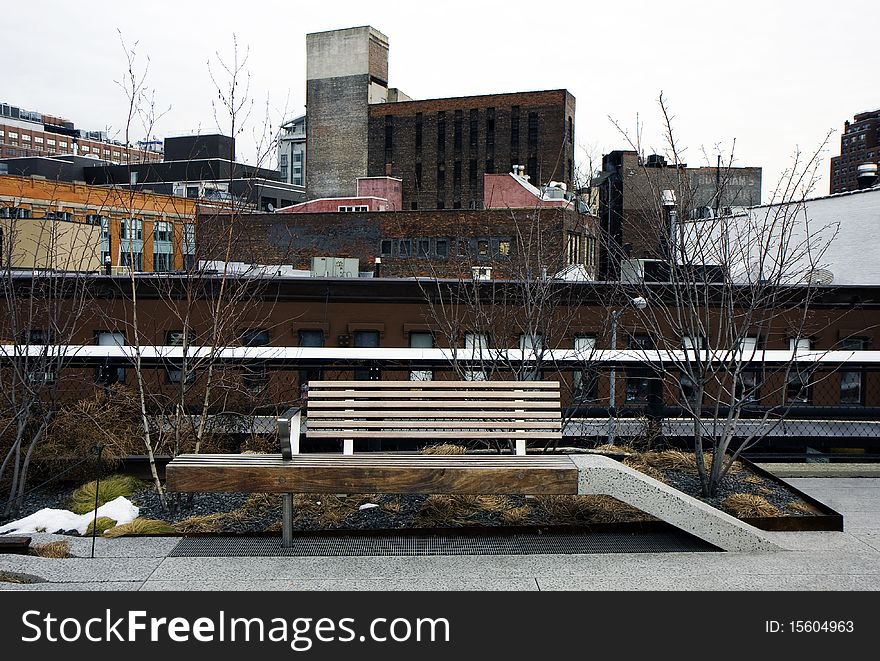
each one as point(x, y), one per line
point(438, 243)
point(630, 210)
point(146, 231)
point(440, 148)
point(859, 145)
point(28, 133)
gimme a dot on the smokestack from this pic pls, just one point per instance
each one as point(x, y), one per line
point(867, 175)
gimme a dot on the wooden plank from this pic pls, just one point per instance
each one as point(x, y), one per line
point(438, 462)
point(432, 424)
point(19, 544)
point(344, 476)
point(475, 385)
point(432, 435)
point(438, 415)
point(429, 395)
point(525, 405)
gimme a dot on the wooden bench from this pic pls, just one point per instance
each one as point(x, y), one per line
point(419, 411)
point(359, 411)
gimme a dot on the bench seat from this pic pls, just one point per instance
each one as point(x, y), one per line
point(373, 473)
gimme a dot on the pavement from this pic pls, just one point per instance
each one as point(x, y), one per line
point(848, 560)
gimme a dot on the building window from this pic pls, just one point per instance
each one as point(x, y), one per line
point(474, 128)
point(255, 377)
point(310, 338)
point(490, 130)
point(797, 386)
point(504, 248)
point(441, 246)
point(134, 260)
point(404, 247)
point(163, 261)
point(514, 132)
point(162, 231)
point(456, 131)
point(463, 248)
point(108, 374)
point(385, 247)
point(358, 208)
point(490, 166)
point(418, 133)
point(424, 247)
point(573, 248)
point(441, 135)
point(585, 382)
point(456, 175)
point(418, 175)
point(421, 340)
point(483, 247)
point(533, 130)
point(851, 390)
point(472, 173)
point(367, 339)
point(570, 131)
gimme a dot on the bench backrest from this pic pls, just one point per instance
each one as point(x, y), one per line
point(426, 411)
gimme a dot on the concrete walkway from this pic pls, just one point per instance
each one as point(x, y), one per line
point(847, 560)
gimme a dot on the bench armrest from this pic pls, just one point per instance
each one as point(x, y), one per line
point(288, 435)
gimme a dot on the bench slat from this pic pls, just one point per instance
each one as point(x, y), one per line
point(431, 424)
point(430, 394)
point(462, 434)
point(448, 385)
point(335, 474)
point(412, 404)
point(438, 415)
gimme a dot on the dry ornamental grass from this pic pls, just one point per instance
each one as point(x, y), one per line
point(57, 549)
point(749, 505)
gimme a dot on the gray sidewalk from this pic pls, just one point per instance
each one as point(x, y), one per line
point(848, 560)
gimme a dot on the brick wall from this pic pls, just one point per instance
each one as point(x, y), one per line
point(441, 171)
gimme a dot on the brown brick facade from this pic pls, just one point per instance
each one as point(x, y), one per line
point(442, 147)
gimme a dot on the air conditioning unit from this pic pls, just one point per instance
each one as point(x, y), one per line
point(335, 267)
point(481, 272)
point(120, 270)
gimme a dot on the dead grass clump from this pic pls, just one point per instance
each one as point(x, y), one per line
point(610, 510)
point(588, 509)
point(517, 516)
point(102, 524)
point(753, 479)
point(445, 448)
point(748, 505)
point(141, 527)
point(443, 510)
point(20, 579)
point(638, 464)
point(801, 508)
point(671, 460)
point(202, 523)
point(83, 499)
point(392, 506)
point(608, 448)
point(328, 510)
point(57, 549)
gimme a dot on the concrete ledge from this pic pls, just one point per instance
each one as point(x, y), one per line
point(599, 475)
point(821, 470)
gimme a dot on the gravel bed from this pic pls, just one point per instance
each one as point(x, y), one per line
point(393, 511)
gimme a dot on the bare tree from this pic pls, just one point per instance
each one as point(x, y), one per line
point(733, 286)
point(44, 264)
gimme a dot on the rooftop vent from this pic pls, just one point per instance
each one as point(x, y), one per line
point(867, 175)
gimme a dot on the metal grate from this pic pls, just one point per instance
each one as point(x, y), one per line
point(395, 545)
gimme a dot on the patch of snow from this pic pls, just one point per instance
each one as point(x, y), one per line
point(368, 506)
point(120, 510)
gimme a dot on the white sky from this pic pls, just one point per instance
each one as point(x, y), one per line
point(772, 74)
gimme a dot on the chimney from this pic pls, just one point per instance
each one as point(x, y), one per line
point(867, 175)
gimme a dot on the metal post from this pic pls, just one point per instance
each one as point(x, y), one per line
point(98, 450)
point(287, 520)
point(612, 399)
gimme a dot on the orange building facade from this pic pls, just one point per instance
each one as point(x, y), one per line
point(137, 231)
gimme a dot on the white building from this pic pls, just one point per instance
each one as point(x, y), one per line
point(291, 143)
point(832, 240)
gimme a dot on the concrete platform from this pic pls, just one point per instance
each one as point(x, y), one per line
point(848, 560)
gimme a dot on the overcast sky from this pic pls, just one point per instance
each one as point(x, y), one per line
point(773, 75)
